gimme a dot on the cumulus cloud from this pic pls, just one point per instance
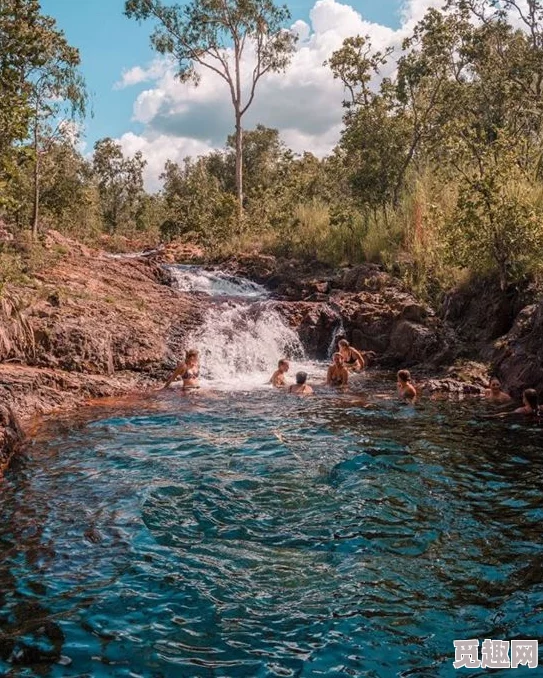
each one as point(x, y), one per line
point(158, 148)
point(304, 103)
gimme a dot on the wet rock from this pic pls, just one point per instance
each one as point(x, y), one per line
point(452, 386)
point(400, 329)
point(517, 357)
point(315, 323)
point(11, 434)
point(89, 326)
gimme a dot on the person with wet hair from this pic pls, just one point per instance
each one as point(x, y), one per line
point(301, 387)
point(530, 403)
point(278, 377)
point(406, 390)
point(494, 393)
point(337, 374)
point(188, 370)
point(352, 358)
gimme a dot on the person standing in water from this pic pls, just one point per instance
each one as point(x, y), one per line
point(278, 377)
point(406, 389)
point(188, 370)
point(494, 394)
point(352, 358)
point(301, 387)
point(337, 374)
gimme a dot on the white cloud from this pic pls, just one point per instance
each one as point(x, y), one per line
point(156, 149)
point(137, 75)
point(304, 103)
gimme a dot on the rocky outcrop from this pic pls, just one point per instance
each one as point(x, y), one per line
point(391, 322)
point(517, 357)
point(503, 328)
point(315, 322)
point(89, 325)
point(373, 310)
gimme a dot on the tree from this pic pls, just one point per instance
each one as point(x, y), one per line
point(120, 184)
point(20, 51)
point(38, 75)
point(196, 206)
point(263, 152)
point(217, 35)
point(57, 95)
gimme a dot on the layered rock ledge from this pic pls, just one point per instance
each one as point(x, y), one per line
point(90, 325)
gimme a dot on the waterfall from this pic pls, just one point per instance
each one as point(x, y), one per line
point(215, 283)
point(243, 336)
point(339, 333)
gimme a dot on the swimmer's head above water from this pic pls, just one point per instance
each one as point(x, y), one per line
point(301, 378)
point(338, 359)
point(404, 376)
point(530, 399)
point(191, 356)
point(283, 365)
point(495, 385)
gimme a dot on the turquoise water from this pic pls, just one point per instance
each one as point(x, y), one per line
point(256, 534)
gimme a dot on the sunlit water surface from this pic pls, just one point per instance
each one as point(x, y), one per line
point(257, 534)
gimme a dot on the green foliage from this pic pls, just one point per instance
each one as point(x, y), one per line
point(196, 206)
point(120, 185)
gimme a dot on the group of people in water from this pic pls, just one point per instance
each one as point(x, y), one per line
point(347, 360)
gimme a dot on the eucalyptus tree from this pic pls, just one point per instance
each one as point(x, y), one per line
point(57, 97)
point(238, 40)
point(41, 89)
point(120, 184)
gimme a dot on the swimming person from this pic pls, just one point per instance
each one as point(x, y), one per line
point(352, 358)
point(530, 403)
point(188, 370)
point(494, 394)
point(301, 387)
point(405, 385)
point(278, 377)
point(337, 374)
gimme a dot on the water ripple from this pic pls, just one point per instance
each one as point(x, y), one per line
point(267, 536)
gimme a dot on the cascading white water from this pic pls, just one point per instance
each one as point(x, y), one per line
point(243, 337)
point(215, 283)
point(339, 333)
point(241, 343)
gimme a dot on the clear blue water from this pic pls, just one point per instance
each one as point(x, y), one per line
point(256, 534)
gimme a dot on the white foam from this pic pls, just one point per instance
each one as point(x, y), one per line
point(215, 283)
point(240, 344)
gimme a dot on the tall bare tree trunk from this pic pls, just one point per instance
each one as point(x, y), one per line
point(239, 166)
point(239, 134)
point(36, 205)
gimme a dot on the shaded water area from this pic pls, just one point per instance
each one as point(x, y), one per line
point(239, 531)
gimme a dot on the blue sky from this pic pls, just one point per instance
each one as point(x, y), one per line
point(136, 99)
point(110, 43)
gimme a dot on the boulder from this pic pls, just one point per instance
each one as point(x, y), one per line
point(517, 357)
point(315, 323)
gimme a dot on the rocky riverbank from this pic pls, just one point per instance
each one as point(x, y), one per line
point(91, 325)
point(478, 329)
point(94, 325)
